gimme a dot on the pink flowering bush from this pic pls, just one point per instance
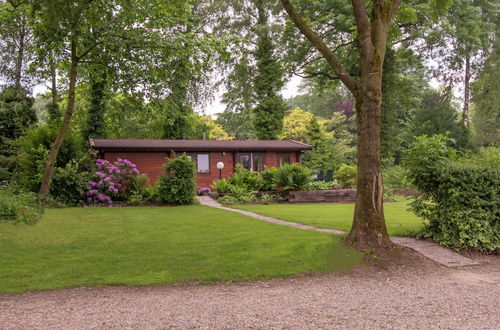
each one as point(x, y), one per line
point(111, 181)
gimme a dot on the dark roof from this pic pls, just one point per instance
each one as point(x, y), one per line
point(198, 144)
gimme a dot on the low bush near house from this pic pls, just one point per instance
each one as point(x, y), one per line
point(69, 184)
point(111, 181)
point(346, 176)
point(222, 186)
point(319, 185)
point(268, 179)
point(178, 185)
point(460, 201)
point(246, 178)
point(19, 206)
point(292, 177)
point(203, 191)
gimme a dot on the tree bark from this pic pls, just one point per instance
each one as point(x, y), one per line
point(368, 231)
point(49, 168)
point(53, 74)
point(465, 112)
point(19, 60)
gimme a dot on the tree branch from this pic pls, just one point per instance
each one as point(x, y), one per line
point(349, 81)
point(395, 5)
point(363, 27)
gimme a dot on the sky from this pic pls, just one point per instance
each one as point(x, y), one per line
point(290, 89)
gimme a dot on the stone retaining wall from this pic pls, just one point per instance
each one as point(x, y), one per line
point(336, 195)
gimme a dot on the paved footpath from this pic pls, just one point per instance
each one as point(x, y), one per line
point(431, 250)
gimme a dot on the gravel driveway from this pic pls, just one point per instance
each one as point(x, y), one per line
point(403, 294)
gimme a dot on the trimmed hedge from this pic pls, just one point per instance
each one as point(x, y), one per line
point(178, 185)
point(460, 201)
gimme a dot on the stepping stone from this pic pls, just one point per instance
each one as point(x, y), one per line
point(435, 252)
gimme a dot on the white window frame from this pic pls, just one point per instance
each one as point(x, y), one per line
point(207, 163)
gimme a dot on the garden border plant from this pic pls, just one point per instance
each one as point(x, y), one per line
point(460, 200)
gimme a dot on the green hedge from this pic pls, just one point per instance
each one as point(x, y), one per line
point(178, 185)
point(460, 201)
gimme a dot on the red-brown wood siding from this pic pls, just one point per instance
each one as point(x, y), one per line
point(272, 158)
point(206, 179)
point(150, 163)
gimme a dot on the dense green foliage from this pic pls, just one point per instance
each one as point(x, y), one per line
point(267, 116)
point(437, 116)
point(77, 247)
point(95, 116)
point(486, 98)
point(70, 184)
point(19, 206)
point(244, 183)
point(178, 185)
point(34, 150)
point(461, 199)
point(292, 177)
point(346, 176)
point(17, 116)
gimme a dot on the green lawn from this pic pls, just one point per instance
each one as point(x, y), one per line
point(158, 245)
point(399, 220)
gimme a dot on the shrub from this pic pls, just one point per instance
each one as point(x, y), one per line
point(69, 184)
point(34, 151)
point(222, 186)
point(460, 201)
point(425, 160)
point(346, 176)
point(203, 191)
point(139, 182)
point(238, 195)
point(178, 186)
point(292, 177)
point(19, 206)
point(246, 178)
point(268, 179)
point(270, 198)
point(319, 185)
point(110, 181)
point(395, 177)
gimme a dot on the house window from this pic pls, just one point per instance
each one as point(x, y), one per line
point(284, 158)
point(257, 162)
point(245, 160)
point(202, 163)
point(252, 161)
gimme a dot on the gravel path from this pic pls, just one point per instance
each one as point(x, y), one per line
point(411, 292)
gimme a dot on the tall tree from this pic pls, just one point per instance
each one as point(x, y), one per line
point(268, 115)
point(82, 27)
point(373, 21)
point(436, 115)
point(486, 98)
point(460, 43)
point(94, 127)
point(239, 100)
point(16, 41)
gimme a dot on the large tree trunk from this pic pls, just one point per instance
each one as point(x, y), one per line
point(466, 91)
point(49, 168)
point(368, 230)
